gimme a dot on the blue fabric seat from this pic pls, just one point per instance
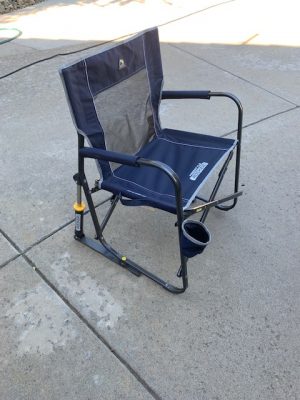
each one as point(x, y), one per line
point(191, 156)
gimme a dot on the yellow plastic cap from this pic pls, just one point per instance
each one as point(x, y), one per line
point(79, 207)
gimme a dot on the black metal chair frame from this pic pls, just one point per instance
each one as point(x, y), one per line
point(100, 245)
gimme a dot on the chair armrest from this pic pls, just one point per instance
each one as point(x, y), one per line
point(100, 154)
point(186, 94)
point(206, 94)
point(237, 102)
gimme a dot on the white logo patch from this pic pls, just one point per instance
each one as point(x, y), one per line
point(122, 63)
point(197, 170)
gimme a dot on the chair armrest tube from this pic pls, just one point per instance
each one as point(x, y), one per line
point(100, 154)
point(229, 96)
point(186, 94)
point(239, 107)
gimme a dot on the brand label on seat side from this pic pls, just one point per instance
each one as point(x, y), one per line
point(197, 170)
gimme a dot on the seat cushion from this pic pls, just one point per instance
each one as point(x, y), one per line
point(191, 156)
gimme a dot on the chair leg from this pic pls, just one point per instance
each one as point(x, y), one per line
point(239, 143)
point(101, 246)
point(236, 180)
point(219, 181)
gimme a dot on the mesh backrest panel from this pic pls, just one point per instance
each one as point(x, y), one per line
point(114, 95)
point(125, 113)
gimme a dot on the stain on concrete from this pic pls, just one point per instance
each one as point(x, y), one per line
point(42, 320)
point(90, 297)
point(98, 380)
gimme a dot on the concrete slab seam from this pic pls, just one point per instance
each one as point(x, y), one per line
point(15, 246)
point(261, 120)
point(196, 12)
point(23, 252)
point(231, 73)
point(249, 39)
point(9, 261)
point(42, 239)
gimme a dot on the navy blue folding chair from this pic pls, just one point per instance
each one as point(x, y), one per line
point(114, 98)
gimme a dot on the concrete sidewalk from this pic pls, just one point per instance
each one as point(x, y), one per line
point(75, 326)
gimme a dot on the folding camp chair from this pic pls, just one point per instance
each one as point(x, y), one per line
point(114, 98)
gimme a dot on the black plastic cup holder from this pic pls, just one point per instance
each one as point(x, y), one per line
point(194, 238)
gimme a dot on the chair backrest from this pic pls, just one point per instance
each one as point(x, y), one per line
point(114, 95)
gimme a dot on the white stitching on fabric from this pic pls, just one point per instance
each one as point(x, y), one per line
point(149, 190)
point(88, 81)
point(198, 188)
point(131, 191)
point(193, 145)
point(150, 92)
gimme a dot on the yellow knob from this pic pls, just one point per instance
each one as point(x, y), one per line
point(79, 207)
